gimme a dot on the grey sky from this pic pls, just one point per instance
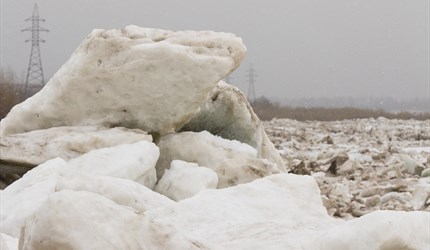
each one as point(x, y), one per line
point(299, 48)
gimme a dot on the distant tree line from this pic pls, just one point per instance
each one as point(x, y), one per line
point(12, 91)
point(385, 103)
point(267, 110)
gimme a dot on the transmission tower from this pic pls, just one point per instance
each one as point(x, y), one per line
point(251, 79)
point(34, 80)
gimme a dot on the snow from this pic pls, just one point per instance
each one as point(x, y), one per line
point(416, 150)
point(121, 191)
point(129, 161)
point(268, 213)
point(22, 198)
point(409, 163)
point(157, 80)
point(38, 146)
point(380, 230)
point(234, 162)
point(7, 242)
point(185, 179)
point(60, 223)
point(125, 77)
point(377, 162)
point(284, 211)
point(227, 113)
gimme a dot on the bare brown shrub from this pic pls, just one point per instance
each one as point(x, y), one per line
point(10, 91)
point(267, 110)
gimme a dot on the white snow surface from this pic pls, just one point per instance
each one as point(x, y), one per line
point(38, 146)
point(7, 242)
point(81, 220)
point(233, 161)
point(125, 77)
point(269, 213)
point(157, 80)
point(416, 150)
point(282, 211)
point(129, 161)
point(185, 179)
point(121, 191)
point(382, 230)
point(23, 197)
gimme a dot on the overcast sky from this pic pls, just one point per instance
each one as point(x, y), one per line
point(300, 48)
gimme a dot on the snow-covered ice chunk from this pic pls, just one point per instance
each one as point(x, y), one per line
point(284, 212)
point(228, 114)
point(133, 77)
point(233, 161)
point(86, 220)
point(415, 150)
point(185, 179)
point(121, 191)
point(411, 165)
point(277, 212)
point(281, 211)
point(7, 242)
point(23, 197)
point(129, 161)
point(81, 220)
point(382, 230)
point(38, 146)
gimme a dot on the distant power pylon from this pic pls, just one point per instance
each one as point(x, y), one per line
point(251, 79)
point(35, 80)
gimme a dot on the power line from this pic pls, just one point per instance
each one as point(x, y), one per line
point(251, 87)
point(34, 80)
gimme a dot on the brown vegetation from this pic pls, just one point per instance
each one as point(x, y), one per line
point(11, 92)
point(267, 110)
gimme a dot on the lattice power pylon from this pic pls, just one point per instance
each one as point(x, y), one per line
point(35, 80)
point(251, 79)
